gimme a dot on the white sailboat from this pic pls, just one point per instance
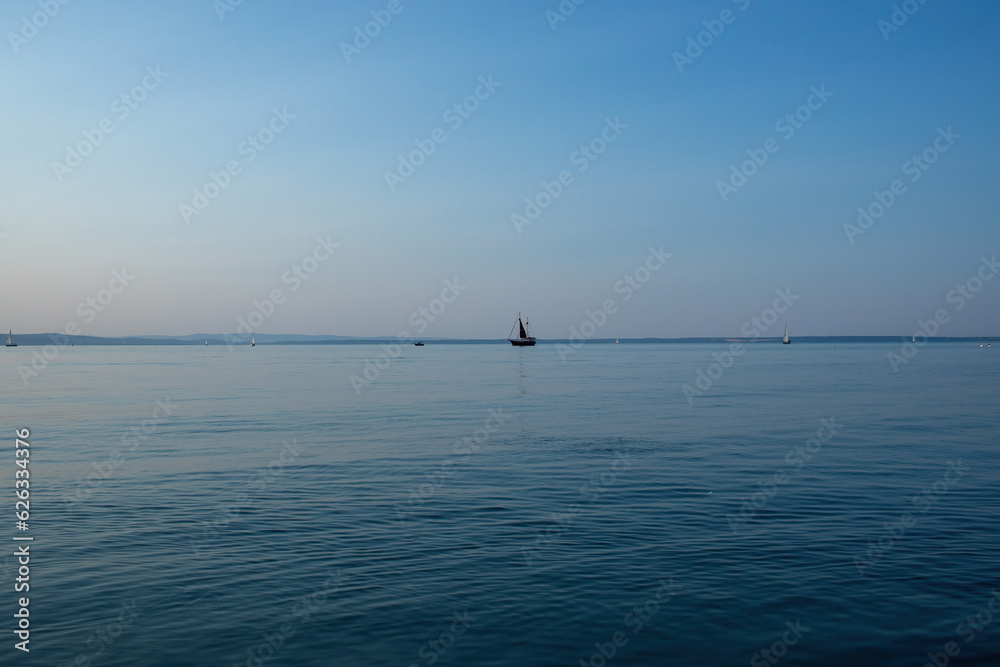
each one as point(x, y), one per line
point(10, 339)
point(785, 341)
point(253, 343)
point(616, 341)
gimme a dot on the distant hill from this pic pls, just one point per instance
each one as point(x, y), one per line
point(191, 339)
point(29, 340)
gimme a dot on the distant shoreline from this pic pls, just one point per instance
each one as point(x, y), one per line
point(61, 340)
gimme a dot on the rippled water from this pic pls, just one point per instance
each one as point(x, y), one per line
point(484, 505)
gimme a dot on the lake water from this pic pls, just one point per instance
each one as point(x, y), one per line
point(485, 505)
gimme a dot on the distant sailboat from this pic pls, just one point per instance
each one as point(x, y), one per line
point(616, 341)
point(523, 340)
point(253, 343)
point(10, 339)
point(206, 341)
point(785, 340)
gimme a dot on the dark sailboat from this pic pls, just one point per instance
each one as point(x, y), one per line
point(523, 340)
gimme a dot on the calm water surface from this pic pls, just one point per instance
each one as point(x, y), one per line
point(483, 505)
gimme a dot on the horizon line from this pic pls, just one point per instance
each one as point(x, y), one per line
point(226, 338)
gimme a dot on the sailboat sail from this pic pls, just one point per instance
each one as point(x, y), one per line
point(524, 334)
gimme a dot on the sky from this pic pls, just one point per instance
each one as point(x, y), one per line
point(117, 114)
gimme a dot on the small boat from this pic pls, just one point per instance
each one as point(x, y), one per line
point(616, 341)
point(10, 339)
point(523, 340)
point(418, 345)
point(253, 343)
point(206, 341)
point(785, 340)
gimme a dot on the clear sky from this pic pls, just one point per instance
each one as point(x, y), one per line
point(553, 86)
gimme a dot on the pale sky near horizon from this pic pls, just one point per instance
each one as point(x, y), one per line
point(209, 79)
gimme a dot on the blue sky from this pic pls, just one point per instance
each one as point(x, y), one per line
point(655, 185)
